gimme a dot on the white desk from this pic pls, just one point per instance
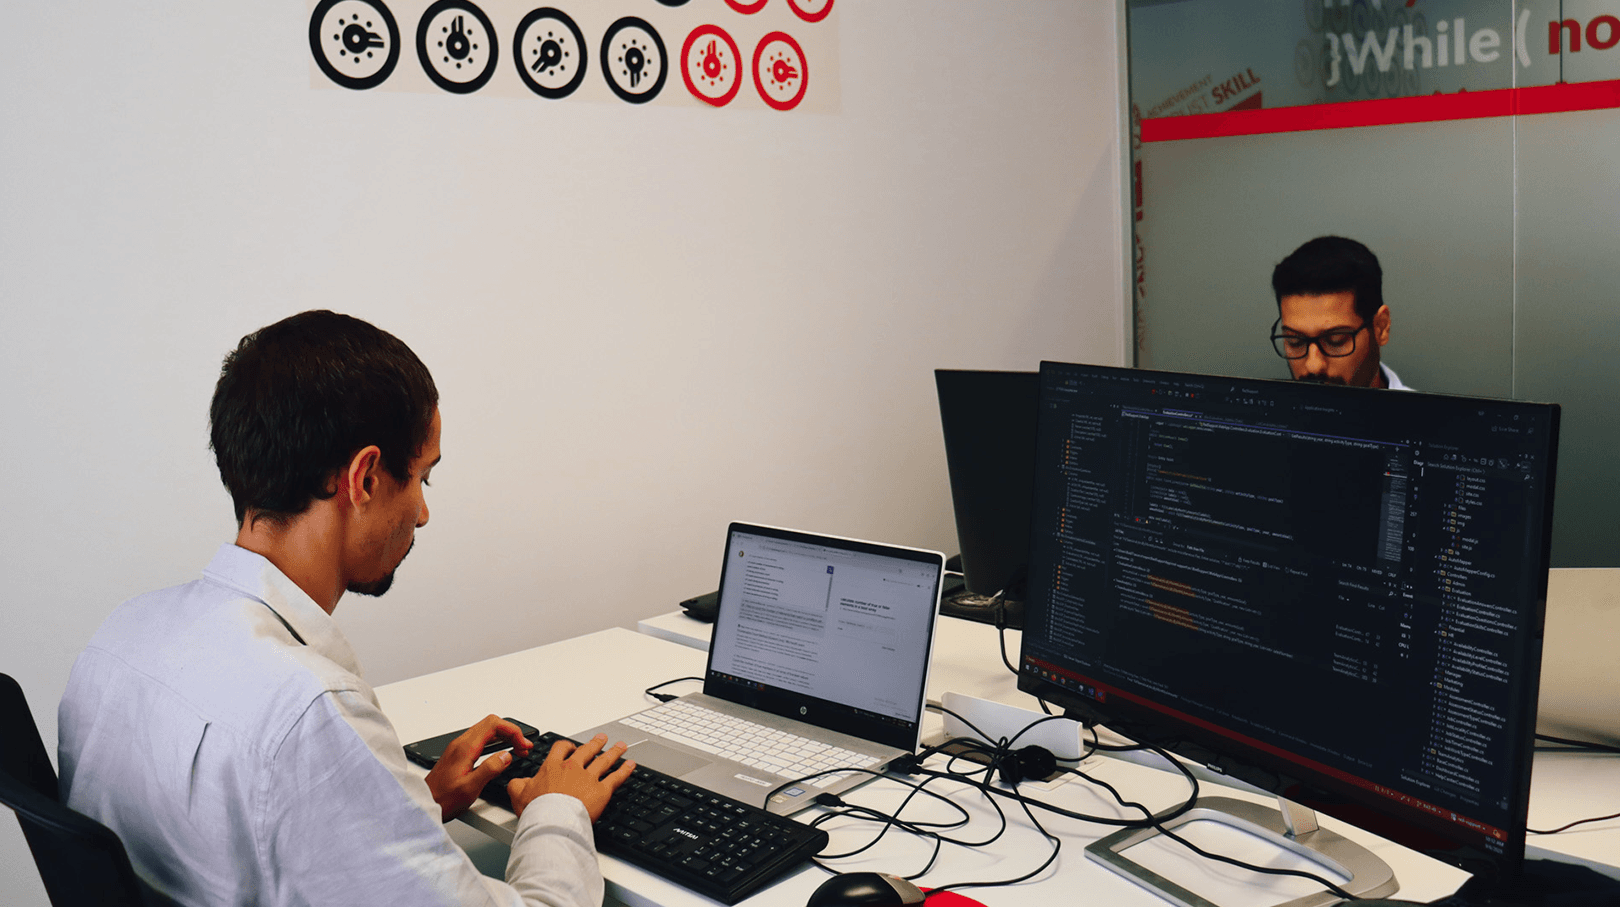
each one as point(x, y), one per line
point(1569, 785)
point(601, 676)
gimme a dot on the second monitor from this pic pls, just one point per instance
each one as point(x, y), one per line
point(1333, 593)
point(989, 425)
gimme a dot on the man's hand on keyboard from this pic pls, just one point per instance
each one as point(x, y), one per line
point(581, 773)
point(456, 781)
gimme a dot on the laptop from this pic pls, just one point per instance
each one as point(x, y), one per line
point(820, 651)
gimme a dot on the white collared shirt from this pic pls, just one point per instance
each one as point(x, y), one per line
point(222, 729)
point(1392, 381)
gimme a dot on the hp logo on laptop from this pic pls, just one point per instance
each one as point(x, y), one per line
point(803, 710)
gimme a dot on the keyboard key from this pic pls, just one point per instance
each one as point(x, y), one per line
point(768, 749)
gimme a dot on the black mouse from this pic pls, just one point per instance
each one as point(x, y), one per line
point(865, 889)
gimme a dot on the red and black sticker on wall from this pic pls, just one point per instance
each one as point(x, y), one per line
point(756, 53)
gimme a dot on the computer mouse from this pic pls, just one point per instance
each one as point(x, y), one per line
point(865, 889)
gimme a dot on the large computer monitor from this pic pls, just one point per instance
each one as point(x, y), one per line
point(1334, 593)
point(988, 420)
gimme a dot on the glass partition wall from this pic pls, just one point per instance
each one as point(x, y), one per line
point(1473, 145)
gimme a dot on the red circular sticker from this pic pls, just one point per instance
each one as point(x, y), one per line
point(780, 71)
point(746, 7)
point(811, 10)
point(711, 64)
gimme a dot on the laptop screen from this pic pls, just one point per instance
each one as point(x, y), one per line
point(831, 631)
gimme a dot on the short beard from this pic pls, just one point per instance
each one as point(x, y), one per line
point(378, 587)
point(375, 588)
point(1321, 379)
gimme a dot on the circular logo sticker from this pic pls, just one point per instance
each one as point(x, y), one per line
point(746, 7)
point(355, 42)
point(633, 60)
point(711, 65)
point(457, 46)
point(811, 10)
point(550, 54)
point(780, 72)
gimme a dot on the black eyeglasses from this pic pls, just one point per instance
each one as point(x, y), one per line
point(1335, 344)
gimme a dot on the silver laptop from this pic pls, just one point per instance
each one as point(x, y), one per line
point(818, 664)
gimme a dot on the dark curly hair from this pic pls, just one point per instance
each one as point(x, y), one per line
point(1332, 264)
point(297, 399)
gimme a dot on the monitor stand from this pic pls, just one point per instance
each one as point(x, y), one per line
point(1289, 826)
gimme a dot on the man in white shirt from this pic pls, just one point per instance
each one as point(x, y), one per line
point(222, 728)
point(1332, 322)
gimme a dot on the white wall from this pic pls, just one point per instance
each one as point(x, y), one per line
point(644, 321)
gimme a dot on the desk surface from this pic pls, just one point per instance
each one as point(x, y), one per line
point(1568, 785)
point(601, 676)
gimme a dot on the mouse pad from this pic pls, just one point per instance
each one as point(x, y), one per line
point(952, 899)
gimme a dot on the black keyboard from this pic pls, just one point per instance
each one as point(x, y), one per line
point(718, 847)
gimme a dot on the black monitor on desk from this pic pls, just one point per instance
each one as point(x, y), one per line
point(1333, 593)
point(988, 420)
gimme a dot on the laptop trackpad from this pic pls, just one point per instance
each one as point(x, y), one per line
point(664, 759)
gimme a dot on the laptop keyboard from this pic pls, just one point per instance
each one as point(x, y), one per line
point(766, 749)
point(714, 845)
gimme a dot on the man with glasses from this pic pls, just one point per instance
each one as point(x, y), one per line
point(1331, 318)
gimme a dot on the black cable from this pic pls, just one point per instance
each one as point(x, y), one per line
point(1001, 634)
point(979, 778)
point(986, 737)
point(1266, 870)
point(665, 697)
point(930, 750)
point(916, 827)
point(1120, 747)
point(1566, 744)
point(1067, 813)
point(970, 744)
point(1057, 847)
point(891, 821)
point(1157, 822)
point(1554, 831)
point(995, 754)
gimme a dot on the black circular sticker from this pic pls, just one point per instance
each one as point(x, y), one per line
point(355, 42)
point(550, 53)
point(633, 60)
point(457, 46)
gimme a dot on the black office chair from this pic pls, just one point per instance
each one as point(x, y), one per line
point(81, 861)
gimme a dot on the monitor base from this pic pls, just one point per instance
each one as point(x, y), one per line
point(984, 609)
point(1290, 826)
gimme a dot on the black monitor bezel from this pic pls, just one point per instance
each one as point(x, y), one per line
point(1296, 777)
